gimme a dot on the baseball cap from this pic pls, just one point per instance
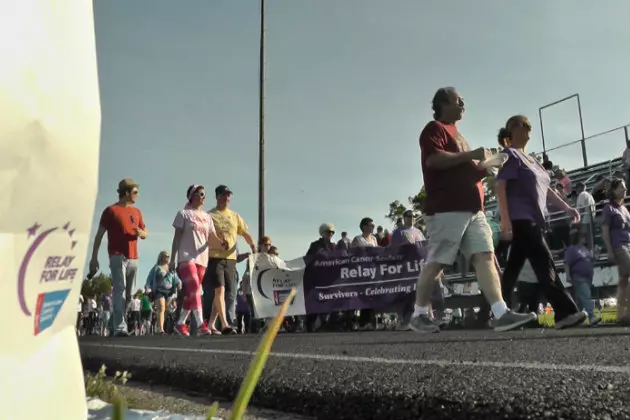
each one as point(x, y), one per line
point(127, 184)
point(326, 227)
point(222, 190)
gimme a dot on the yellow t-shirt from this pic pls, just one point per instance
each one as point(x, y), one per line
point(228, 225)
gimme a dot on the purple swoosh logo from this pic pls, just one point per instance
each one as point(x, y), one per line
point(22, 273)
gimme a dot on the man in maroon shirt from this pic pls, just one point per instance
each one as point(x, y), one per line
point(454, 213)
point(124, 225)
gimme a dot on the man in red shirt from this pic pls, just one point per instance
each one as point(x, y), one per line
point(124, 225)
point(454, 214)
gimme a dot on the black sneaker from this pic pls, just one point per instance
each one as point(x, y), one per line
point(423, 324)
point(228, 331)
point(573, 320)
point(512, 320)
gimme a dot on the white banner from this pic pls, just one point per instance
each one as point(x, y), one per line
point(49, 151)
point(271, 281)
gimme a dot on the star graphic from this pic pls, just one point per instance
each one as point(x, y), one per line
point(66, 226)
point(74, 243)
point(32, 231)
point(70, 233)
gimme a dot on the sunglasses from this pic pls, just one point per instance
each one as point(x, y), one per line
point(134, 192)
point(523, 124)
point(332, 232)
point(200, 194)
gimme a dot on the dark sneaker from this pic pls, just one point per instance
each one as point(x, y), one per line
point(512, 320)
point(594, 321)
point(423, 324)
point(121, 333)
point(572, 320)
point(228, 331)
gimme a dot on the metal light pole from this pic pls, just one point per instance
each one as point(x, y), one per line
point(579, 106)
point(261, 125)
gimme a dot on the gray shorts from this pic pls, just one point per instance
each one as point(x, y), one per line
point(451, 232)
point(622, 256)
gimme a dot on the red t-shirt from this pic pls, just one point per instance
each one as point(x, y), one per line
point(120, 223)
point(457, 188)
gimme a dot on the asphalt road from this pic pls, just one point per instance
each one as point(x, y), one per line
point(531, 374)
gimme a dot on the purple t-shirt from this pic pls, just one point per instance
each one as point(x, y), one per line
point(106, 302)
point(411, 235)
point(617, 218)
point(527, 186)
point(241, 304)
point(580, 261)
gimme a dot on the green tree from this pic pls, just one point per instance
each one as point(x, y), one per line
point(396, 210)
point(97, 286)
point(415, 203)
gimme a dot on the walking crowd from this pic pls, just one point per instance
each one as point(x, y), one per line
point(196, 283)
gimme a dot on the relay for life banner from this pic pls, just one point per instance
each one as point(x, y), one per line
point(361, 278)
point(49, 151)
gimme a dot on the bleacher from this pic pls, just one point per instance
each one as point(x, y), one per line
point(589, 173)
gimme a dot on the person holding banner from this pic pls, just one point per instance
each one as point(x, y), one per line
point(454, 213)
point(409, 234)
point(323, 244)
point(366, 239)
point(124, 224)
point(194, 232)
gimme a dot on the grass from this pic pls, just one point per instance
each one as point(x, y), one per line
point(100, 386)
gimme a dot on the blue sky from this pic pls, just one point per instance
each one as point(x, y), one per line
point(348, 90)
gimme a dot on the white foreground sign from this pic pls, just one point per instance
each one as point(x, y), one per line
point(49, 151)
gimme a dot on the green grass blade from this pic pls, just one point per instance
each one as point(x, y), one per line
point(118, 409)
point(214, 409)
point(258, 363)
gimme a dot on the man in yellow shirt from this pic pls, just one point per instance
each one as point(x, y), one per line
point(221, 272)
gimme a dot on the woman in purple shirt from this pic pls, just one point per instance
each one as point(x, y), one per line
point(522, 188)
point(616, 232)
point(579, 269)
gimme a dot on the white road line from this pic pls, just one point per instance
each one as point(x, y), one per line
point(384, 361)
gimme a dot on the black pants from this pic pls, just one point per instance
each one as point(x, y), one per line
point(528, 296)
point(528, 243)
point(243, 322)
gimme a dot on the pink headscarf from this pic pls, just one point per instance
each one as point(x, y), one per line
point(192, 190)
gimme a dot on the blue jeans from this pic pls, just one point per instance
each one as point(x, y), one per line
point(582, 294)
point(123, 283)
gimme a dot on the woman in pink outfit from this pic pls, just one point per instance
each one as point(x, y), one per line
point(194, 229)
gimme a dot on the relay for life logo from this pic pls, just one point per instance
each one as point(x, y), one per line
point(46, 273)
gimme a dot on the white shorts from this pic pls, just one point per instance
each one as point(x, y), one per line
point(454, 231)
